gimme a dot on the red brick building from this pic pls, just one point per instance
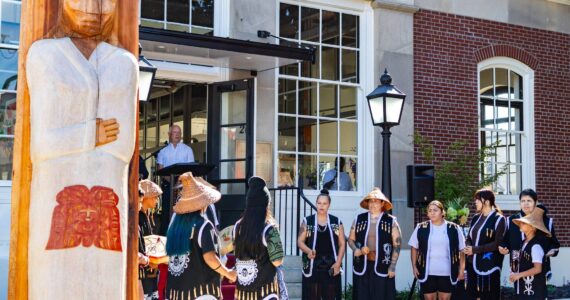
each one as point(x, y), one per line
point(449, 51)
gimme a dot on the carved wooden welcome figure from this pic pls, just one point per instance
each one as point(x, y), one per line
point(82, 103)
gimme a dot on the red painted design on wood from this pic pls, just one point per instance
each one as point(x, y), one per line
point(85, 217)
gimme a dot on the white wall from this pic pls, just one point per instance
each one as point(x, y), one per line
point(5, 188)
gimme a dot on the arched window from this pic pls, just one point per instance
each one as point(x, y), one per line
point(506, 123)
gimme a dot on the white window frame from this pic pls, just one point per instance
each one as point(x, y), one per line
point(365, 148)
point(528, 179)
point(220, 22)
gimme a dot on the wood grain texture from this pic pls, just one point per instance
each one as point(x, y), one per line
point(38, 17)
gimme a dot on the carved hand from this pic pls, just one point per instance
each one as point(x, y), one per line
point(107, 131)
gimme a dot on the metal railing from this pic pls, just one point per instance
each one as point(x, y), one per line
point(289, 207)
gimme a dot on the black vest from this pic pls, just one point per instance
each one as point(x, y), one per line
point(489, 262)
point(514, 241)
point(311, 240)
point(384, 243)
point(256, 276)
point(423, 244)
point(530, 287)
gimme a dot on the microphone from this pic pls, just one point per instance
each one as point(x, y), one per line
point(358, 246)
point(155, 153)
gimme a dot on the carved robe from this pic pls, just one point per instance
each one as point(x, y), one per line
point(79, 192)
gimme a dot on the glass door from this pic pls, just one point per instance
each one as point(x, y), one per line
point(230, 146)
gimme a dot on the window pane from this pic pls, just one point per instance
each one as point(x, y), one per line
point(328, 138)
point(350, 30)
point(232, 188)
point(152, 9)
point(151, 115)
point(8, 69)
point(486, 82)
point(309, 69)
point(515, 148)
point(233, 107)
point(330, 63)
point(487, 117)
point(286, 134)
point(6, 157)
point(152, 24)
point(10, 26)
point(350, 169)
point(348, 138)
point(292, 69)
point(310, 21)
point(502, 116)
point(307, 135)
point(178, 11)
point(501, 184)
point(348, 96)
point(349, 66)
point(516, 86)
point(501, 83)
point(331, 27)
point(203, 13)
point(308, 172)
point(287, 98)
point(516, 118)
point(328, 100)
point(515, 179)
point(7, 113)
point(307, 98)
point(289, 21)
point(286, 170)
point(232, 170)
point(232, 142)
point(328, 173)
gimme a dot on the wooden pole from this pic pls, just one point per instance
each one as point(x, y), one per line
point(38, 17)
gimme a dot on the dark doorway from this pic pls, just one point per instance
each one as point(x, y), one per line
point(230, 144)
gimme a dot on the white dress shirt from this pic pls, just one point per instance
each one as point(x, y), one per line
point(170, 155)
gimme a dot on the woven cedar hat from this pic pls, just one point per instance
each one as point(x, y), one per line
point(149, 189)
point(376, 193)
point(204, 182)
point(194, 195)
point(534, 219)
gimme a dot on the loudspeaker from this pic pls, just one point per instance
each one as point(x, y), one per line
point(420, 185)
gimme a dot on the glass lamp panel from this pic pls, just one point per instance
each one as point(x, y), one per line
point(376, 110)
point(393, 109)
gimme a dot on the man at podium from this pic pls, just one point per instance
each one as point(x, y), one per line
point(175, 152)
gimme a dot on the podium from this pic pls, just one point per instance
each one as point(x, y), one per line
point(197, 169)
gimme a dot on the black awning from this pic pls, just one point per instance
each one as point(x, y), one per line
point(226, 45)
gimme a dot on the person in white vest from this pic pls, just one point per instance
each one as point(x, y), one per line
point(83, 93)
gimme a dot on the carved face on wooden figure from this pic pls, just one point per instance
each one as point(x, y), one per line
point(92, 19)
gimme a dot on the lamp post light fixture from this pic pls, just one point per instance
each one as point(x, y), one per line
point(146, 76)
point(386, 104)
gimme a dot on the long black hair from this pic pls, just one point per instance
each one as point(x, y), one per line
point(488, 195)
point(248, 233)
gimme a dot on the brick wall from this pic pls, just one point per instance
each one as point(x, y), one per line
point(447, 49)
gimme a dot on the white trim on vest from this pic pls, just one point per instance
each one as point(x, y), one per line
point(365, 240)
point(493, 212)
point(206, 221)
point(377, 240)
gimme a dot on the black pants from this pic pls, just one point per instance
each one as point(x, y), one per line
point(371, 286)
point(165, 211)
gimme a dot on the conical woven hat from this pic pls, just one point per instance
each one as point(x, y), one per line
point(534, 219)
point(194, 195)
point(149, 188)
point(204, 182)
point(376, 193)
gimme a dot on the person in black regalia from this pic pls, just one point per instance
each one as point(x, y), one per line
point(484, 261)
point(322, 241)
point(376, 241)
point(194, 266)
point(529, 277)
point(257, 247)
point(149, 192)
point(514, 237)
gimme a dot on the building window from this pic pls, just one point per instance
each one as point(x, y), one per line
point(195, 16)
point(9, 40)
point(317, 103)
point(505, 102)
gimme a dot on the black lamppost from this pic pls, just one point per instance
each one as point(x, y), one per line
point(386, 103)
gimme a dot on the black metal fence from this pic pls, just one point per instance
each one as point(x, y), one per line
point(289, 207)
